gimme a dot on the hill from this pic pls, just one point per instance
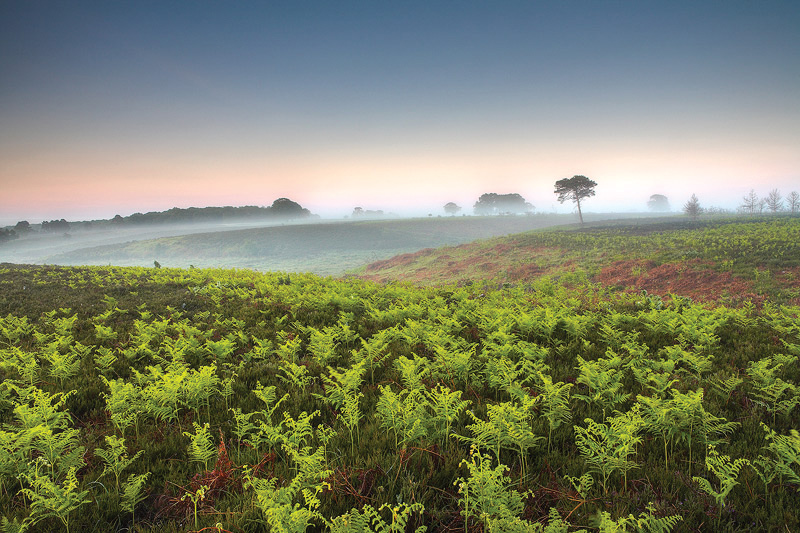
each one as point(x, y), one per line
point(730, 260)
point(163, 399)
point(327, 248)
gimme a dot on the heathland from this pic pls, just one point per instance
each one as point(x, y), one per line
point(325, 247)
point(617, 377)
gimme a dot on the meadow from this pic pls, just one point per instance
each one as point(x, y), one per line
point(558, 398)
point(727, 259)
point(325, 247)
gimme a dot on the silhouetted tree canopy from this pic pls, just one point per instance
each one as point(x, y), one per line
point(23, 226)
point(658, 203)
point(285, 208)
point(282, 208)
point(56, 226)
point(497, 204)
point(575, 189)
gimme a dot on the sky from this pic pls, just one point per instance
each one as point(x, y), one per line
point(120, 107)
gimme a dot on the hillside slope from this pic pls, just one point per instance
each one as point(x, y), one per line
point(729, 260)
point(328, 248)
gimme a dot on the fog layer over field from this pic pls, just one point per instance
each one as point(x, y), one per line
point(322, 247)
point(41, 247)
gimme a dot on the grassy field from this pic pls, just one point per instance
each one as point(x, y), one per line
point(726, 260)
point(158, 399)
point(325, 248)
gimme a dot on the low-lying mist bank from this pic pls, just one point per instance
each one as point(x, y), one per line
point(40, 247)
point(323, 247)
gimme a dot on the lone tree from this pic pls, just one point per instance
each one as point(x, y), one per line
point(658, 203)
point(451, 208)
point(575, 188)
point(692, 207)
point(774, 201)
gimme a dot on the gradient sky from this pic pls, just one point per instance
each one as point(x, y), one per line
point(117, 107)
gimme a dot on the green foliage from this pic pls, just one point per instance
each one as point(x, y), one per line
point(104, 359)
point(506, 524)
point(283, 382)
point(339, 385)
point(368, 520)
point(196, 497)
point(555, 403)
point(607, 448)
point(412, 371)
point(725, 470)
point(124, 402)
point(132, 493)
point(268, 395)
point(115, 458)
point(604, 381)
point(281, 510)
point(783, 460)
point(508, 427)
point(486, 493)
point(647, 522)
point(777, 395)
point(49, 499)
point(294, 375)
point(446, 407)
point(201, 444)
point(404, 413)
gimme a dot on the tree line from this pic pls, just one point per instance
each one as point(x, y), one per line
point(281, 209)
point(751, 204)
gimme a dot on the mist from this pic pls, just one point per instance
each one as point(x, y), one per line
point(317, 245)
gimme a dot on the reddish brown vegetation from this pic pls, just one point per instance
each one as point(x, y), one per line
point(399, 260)
point(695, 279)
point(225, 477)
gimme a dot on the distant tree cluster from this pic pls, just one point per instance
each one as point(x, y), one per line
point(774, 202)
point(8, 235)
point(451, 208)
point(56, 226)
point(574, 189)
point(658, 203)
point(693, 209)
point(751, 204)
point(501, 204)
point(367, 213)
point(282, 208)
point(23, 227)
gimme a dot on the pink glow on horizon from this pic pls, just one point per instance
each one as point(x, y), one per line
point(80, 182)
